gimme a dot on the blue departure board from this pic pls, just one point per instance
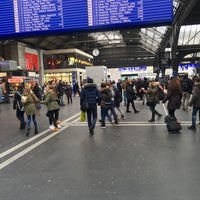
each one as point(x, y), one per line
point(32, 17)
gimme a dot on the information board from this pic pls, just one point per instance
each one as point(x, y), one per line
point(30, 17)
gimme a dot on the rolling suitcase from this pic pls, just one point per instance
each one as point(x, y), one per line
point(172, 125)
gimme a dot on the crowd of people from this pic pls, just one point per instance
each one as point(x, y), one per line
point(150, 92)
point(177, 92)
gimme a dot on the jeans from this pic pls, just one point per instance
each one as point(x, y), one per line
point(29, 121)
point(104, 114)
point(185, 100)
point(92, 116)
point(194, 115)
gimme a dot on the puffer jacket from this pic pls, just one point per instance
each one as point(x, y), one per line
point(195, 100)
point(51, 100)
point(91, 94)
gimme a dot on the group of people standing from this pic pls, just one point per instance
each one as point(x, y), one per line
point(26, 101)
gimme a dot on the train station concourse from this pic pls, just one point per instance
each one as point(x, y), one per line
point(70, 42)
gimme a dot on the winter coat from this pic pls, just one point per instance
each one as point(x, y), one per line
point(189, 83)
point(17, 104)
point(91, 94)
point(130, 93)
point(174, 100)
point(117, 97)
point(153, 92)
point(106, 97)
point(195, 101)
point(29, 104)
point(51, 100)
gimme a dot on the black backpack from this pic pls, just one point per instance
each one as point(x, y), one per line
point(184, 85)
point(106, 99)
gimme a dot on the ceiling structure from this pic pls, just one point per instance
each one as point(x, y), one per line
point(120, 48)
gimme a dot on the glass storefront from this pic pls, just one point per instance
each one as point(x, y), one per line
point(65, 77)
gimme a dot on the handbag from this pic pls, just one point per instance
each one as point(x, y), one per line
point(82, 116)
point(150, 102)
point(84, 106)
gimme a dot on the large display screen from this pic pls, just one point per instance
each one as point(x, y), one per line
point(31, 17)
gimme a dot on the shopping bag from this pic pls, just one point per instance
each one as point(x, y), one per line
point(82, 116)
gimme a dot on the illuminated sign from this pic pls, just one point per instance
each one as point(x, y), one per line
point(28, 17)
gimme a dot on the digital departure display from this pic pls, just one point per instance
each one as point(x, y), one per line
point(30, 17)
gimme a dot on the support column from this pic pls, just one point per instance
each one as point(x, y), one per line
point(174, 48)
point(41, 65)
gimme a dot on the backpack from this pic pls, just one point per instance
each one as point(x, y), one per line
point(119, 95)
point(106, 99)
point(184, 85)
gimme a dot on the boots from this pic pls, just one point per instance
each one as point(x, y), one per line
point(28, 132)
point(153, 117)
point(36, 131)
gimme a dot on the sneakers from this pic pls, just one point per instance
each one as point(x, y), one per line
point(51, 127)
point(102, 126)
point(137, 111)
point(151, 120)
point(192, 128)
point(128, 111)
point(123, 117)
point(59, 126)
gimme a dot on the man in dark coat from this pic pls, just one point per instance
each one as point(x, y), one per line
point(91, 94)
point(18, 106)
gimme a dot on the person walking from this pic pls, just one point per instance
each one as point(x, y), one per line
point(131, 96)
point(195, 102)
point(153, 99)
point(117, 100)
point(51, 101)
point(124, 85)
point(68, 92)
point(29, 106)
point(173, 96)
point(106, 103)
point(187, 87)
point(92, 95)
point(19, 107)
